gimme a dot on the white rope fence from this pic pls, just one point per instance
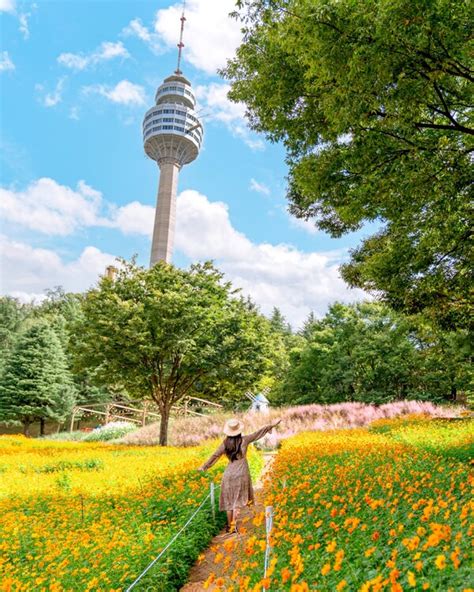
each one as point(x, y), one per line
point(210, 495)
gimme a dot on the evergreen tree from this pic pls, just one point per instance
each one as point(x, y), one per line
point(307, 330)
point(278, 322)
point(36, 384)
point(12, 315)
point(60, 309)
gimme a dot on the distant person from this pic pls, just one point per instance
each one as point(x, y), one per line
point(236, 488)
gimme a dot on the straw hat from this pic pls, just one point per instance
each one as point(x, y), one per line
point(233, 427)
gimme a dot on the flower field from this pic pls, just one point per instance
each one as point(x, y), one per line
point(192, 431)
point(91, 516)
point(388, 508)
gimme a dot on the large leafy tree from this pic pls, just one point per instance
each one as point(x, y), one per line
point(373, 101)
point(36, 384)
point(165, 332)
point(355, 353)
point(369, 353)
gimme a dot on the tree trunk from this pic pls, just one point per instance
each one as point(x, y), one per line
point(26, 427)
point(165, 417)
point(453, 392)
point(42, 426)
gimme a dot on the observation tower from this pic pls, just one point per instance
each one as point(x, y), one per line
point(172, 137)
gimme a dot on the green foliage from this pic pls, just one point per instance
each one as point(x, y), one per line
point(36, 383)
point(373, 102)
point(61, 309)
point(278, 322)
point(452, 437)
point(12, 316)
point(91, 464)
point(368, 353)
point(166, 332)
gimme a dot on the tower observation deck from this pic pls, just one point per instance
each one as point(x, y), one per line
point(172, 136)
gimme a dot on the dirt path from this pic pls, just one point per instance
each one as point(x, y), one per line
point(206, 564)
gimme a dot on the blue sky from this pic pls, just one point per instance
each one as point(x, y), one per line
point(76, 188)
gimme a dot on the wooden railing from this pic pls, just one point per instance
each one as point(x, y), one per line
point(139, 415)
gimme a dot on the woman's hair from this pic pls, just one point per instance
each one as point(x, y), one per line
point(233, 445)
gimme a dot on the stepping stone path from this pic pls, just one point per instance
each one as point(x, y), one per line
point(205, 565)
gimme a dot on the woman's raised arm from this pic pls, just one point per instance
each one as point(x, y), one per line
point(261, 432)
point(213, 458)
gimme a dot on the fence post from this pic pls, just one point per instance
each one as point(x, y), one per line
point(73, 417)
point(107, 413)
point(213, 506)
point(268, 529)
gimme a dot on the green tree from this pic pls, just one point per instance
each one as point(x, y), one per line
point(307, 329)
point(373, 102)
point(166, 332)
point(445, 360)
point(12, 316)
point(61, 309)
point(361, 352)
point(278, 322)
point(36, 384)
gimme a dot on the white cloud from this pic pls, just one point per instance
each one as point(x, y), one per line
point(10, 6)
point(51, 208)
point(105, 52)
point(259, 187)
point(24, 27)
point(136, 28)
point(124, 92)
point(273, 275)
point(7, 6)
point(217, 107)
point(134, 218)
point(27, 271)
point(6, 62)
point(53, 98)
point(210, 36)
point(306, 225)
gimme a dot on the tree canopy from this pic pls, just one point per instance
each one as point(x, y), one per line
point(165, 332)
point(373, 102)
point(369, 353)
point(36, 384)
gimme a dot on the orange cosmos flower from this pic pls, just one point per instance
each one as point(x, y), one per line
point(326, 569)
point(285, 575)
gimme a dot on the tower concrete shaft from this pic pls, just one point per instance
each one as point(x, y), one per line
point(172, 137)
point(165, 214)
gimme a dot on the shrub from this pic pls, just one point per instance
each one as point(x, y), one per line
point(110, 431)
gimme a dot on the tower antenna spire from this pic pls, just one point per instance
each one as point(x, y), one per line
point(181, 44)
